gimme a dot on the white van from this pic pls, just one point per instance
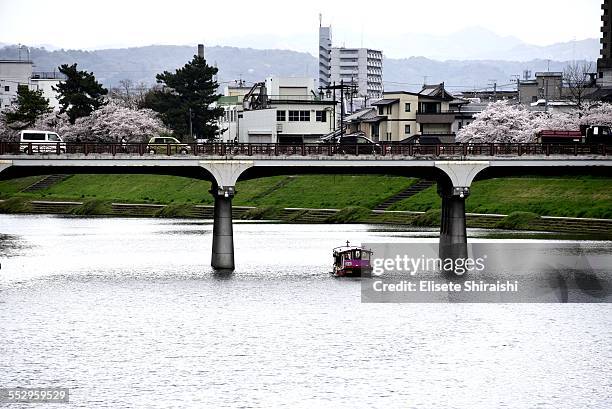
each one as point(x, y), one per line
point(41, 142)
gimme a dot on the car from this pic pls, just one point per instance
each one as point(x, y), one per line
point(161, 144)
point(41, 142)
point(357, 144)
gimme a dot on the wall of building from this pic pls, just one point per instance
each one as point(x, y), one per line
point(12, 74)
point(46, 86)
point(287, 87)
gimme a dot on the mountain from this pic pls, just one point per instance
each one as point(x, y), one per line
point(476, 43)
point(141, 64)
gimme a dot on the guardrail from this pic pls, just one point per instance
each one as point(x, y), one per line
point(306, 149)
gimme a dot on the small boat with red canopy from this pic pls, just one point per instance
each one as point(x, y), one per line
point(351, 261)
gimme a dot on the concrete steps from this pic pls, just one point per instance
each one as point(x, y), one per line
point(44, 183)
point(41, 206)
point(418, 187)
point(123, 209)
point(206, 211)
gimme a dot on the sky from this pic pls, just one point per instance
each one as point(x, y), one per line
point(79, 24)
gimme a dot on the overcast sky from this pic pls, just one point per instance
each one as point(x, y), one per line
point(286, 24)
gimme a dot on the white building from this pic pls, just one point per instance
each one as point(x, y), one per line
point(284, 110)
point(14, 73)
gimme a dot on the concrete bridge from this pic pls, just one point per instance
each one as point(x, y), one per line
point(454, 167)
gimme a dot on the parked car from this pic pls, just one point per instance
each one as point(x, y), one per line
point(160, 144)
point(41, 141)
point(354, 143)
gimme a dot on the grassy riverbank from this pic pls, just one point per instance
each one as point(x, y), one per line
point(547, 196)
point(313, 191)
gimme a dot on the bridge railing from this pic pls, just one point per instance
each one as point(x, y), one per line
point(306, 149)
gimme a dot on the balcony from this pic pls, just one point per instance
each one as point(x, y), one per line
point(442, 117)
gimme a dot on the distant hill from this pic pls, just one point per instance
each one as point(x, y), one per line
point(476, 43)
point(141, 64)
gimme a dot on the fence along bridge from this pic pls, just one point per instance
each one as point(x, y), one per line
point(453, 166)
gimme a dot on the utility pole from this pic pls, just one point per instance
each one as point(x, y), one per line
point(190, 126)
point(546, 94)
point(341, 108)
point(352, 86)
point(343, 89)
point(494, 84)
point(517, 78)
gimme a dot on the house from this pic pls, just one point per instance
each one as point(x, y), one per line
point(407, 117)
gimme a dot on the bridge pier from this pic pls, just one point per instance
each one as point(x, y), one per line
point(453, 234)
point(223, 232)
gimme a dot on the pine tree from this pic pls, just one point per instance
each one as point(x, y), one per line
point(31, 105)
point(80, 94)
point(189, 91)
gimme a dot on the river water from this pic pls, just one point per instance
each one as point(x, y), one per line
point(128, 313)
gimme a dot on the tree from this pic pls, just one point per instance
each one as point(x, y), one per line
point(129, 94)
point(500, 122)
point(80, 94)
point(579, 82)
point(186, 97)
point(115, 123)
point(31, 105)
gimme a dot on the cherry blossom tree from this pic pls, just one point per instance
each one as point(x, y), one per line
point(114, 123)
point(504, 123)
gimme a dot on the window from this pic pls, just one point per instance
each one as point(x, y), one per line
point(600, 75)
point(53, 137)
point(534, 99)
point(389, 136)
point(304, 116)
point(33, 136)
point(389, 109)
point(381, 110)
point(7, 88)
point(281, 116)
point(321, 116)
point(407, 129)
point(294, 116)
point(407, 107)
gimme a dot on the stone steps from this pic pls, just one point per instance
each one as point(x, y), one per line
point(412, 190)
point(123, 209)
point(44, 183)
point(41, 206)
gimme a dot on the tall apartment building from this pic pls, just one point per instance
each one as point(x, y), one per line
point(604, 63)
point(363, 66)
point(325, 46)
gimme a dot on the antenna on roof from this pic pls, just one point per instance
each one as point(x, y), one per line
point(320, 20)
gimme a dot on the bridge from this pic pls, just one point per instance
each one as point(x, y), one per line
point(453, 166)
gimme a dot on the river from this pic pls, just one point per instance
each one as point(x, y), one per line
point(128, 313)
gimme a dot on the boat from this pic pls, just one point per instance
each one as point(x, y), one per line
point(351, 261)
